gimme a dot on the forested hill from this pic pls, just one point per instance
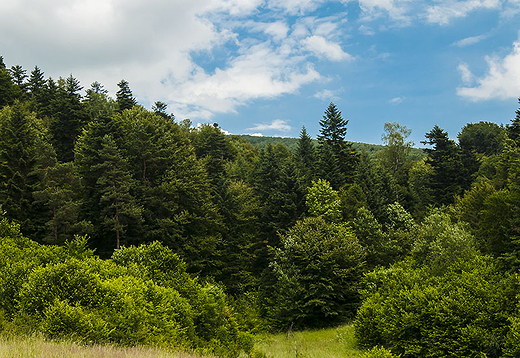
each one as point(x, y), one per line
point(292, 144)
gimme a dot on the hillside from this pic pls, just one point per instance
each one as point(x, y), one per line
point(292, 143)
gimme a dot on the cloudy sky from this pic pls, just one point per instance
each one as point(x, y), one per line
point(270, 66)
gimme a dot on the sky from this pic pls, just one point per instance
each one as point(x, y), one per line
point(269, 67)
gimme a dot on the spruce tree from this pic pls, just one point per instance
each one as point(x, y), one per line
point(125, 99)
point(118, 207)
point(68, 119)
point(305, 158)
point(332, 142)
point(18, 149)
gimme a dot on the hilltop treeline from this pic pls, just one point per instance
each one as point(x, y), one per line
point(281, 238)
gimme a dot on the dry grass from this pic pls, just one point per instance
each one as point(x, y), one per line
point(38, 347)
point(331, 343)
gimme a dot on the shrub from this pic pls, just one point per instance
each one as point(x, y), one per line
point(463, 313)
point(318, 269)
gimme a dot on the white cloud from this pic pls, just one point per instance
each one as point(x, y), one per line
point(326, 95)
point(448, 10)
point(322, 47)
point(468, 41)
point(256, 134)
point(275, 125)
point(465, 73)
point(502, 80)
point(397, 100)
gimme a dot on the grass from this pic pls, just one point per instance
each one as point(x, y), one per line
point(39, 347)
point(331, 343)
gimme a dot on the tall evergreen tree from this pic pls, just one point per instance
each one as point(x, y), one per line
point(68, 119)
point(97, 102)
point(332, 143)
point(453, 171)
point(118, 207)
point(125, 99)
point(7, 87)
point(18, 149)
point(305, 158)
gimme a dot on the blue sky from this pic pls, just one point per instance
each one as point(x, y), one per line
point(270, 66)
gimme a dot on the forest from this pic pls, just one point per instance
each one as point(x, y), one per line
point(126, 225)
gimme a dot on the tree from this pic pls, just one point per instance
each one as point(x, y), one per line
point(119, 208)
point(323, 201)
point(160, 109)
point(332, 143)
point(318, 268)
point(484, 138)
point(125, 99)
point(7, 87)
point(18, 149)
point(305, 158)
point(97, 102)
point(395, 156)
point(69, 116)
point(513, 129)
point(453, 171)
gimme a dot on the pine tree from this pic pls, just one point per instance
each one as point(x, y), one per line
point(453, 170)
point(119, 208)
point(332, 142)
point(7, 88)
point(69, 117)
point(125, 99)
point(305, 158)
point(18, 149)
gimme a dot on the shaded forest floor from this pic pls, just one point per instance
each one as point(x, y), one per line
point(331, 343)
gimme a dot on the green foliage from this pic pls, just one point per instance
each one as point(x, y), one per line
point(323, 201)
point(485, 138)
point(317, 269)
point(66, 292)
point(378, 352)
point(441, 243)
point(462, 313)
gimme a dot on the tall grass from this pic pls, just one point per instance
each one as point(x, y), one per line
point(39, 347)
point(331, 343)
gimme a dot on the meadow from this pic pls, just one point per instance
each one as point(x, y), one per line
point(332, 343)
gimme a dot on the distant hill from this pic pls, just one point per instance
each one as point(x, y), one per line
point(292, 143)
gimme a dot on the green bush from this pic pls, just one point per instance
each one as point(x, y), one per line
point(317, 271)
point(463, 313)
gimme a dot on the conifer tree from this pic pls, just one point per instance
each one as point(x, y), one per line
point(118, 207)
point(18, 148)
point(305, 159)
point(7, 88)
point(332, 143)
point(125, 99)
point(68, 118)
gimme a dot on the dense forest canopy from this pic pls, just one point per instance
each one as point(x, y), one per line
point(237, 235)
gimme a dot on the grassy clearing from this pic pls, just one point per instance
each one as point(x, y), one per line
point(38, 347)
point(330, 343)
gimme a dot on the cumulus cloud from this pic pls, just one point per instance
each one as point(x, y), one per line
point(276, 125)
point(321, 47)
point(502, 80)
